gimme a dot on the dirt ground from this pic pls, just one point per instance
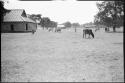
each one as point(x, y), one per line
point(62, 57)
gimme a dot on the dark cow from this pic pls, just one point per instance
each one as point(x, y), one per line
point(57, 30)
point(50, 29)
point(89, 32)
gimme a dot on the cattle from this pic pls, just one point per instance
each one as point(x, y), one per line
point(58, 30)
point(89, 32)
point(50, 29)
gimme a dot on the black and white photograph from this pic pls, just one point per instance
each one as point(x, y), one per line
point(62, 41)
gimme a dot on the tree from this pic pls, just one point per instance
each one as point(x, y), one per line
point(3, 11)
point(67, 24)
point(52, 24)
point(45, 22)
point(75, 25)
point(110, 13)
point(35, 16)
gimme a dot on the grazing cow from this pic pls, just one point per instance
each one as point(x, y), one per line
point(89, 32)
point(57, 30)
point(50, 29)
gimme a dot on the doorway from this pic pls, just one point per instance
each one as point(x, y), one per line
point(26, 27)
point(12, 27)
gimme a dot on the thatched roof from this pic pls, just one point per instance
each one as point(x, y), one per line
point(17, 15)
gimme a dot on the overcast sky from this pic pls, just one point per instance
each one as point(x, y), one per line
point(59, 11)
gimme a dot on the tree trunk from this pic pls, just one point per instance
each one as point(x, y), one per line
point(75, 29)
point(114, 18)
point(108, 29)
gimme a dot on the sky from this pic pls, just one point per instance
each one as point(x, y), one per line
point(59, 11)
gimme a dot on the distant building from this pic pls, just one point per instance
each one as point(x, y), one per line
point(89, 26)
point(17, 20)
point(61, 26)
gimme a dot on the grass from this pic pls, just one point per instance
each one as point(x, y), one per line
point(65, 57)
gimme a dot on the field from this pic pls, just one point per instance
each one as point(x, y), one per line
point(64, 57)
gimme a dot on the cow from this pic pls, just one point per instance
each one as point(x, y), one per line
point(50, 29)
point(89, 32)
point(57, 30)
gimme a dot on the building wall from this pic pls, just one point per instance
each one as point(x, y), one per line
point(18, 26)
point(32, 26)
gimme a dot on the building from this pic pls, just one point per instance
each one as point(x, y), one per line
point(16, 20)
point(61, 26)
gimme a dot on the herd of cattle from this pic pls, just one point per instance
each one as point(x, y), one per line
point(56, 29)
point(85, 32)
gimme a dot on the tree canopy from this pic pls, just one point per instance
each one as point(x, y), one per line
point(46, 22)
point(3, 11)
point(75, 24)
point(67, 24)
point(111, 14)
point(35, 16)
point(52, 24)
